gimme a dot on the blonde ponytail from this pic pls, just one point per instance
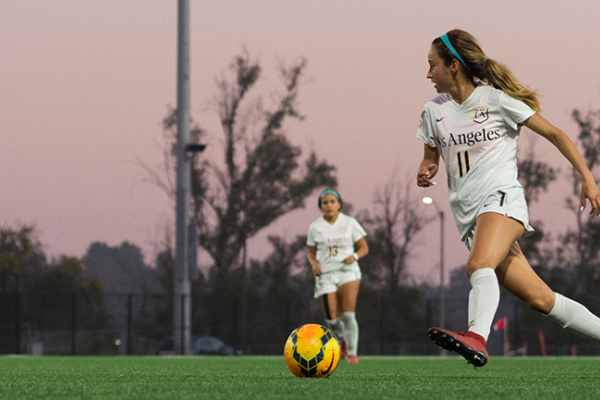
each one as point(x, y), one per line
point(478, 65)
point(500, 77)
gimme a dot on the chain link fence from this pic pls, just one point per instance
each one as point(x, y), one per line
point(137, 324)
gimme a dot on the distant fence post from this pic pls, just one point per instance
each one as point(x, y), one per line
point(382, 307)
point(129, 322)
point(73, 322)
point(18, 322)
point(288, 311)
point(17, 332)
point(182, 324)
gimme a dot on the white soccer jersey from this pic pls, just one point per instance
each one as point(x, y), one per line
point(478, 142)
point(335, 242)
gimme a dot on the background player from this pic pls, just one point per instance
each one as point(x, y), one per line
point(331, 240)
point(475, 128)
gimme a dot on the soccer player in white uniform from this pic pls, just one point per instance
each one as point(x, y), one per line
point(475, 128)
point(331, 244)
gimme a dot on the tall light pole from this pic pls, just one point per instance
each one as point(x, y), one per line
point(429, 200)
point(182, 287)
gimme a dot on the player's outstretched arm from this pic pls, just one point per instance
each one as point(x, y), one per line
point(589, 188)
point(429, 167)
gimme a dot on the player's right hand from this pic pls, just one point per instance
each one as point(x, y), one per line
point(426, 174)
point(317, 271)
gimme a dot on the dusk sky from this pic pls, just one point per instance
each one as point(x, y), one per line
point(85, 85)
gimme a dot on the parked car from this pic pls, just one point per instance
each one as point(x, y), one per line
point(199, 345)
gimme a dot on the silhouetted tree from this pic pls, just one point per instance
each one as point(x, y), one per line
point(260, 179)
point(20, 255)
point(535, 177)
point(388, 299)
point(392, 226)
point(583, 243)
point(120, 268)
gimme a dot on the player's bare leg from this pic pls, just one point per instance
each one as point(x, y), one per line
point(331, 309)
point(494, 235)
point(516, 275)
point(347, 295)
point(331, 305)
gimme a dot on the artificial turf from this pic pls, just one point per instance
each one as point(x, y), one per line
point(247, 377)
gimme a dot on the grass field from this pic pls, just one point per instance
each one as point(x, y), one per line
point(23, 377)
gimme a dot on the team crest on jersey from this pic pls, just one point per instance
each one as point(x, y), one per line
point(343, 229)
point(480, 114)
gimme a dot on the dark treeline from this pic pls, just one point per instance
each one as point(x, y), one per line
point(112, 302)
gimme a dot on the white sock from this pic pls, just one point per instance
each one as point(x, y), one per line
point(483, 301)
point(350, 331)
point(337, 326)
point(574, 317)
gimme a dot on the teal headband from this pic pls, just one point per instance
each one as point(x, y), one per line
point(446, 41)
point(329, 191)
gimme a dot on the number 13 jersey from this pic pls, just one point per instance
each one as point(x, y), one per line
point(478, 141)
point(335, 242)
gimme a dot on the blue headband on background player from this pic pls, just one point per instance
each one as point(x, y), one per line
point(446, 41)
point(330, 191)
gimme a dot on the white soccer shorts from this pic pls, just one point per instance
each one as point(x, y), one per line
point(329, 282)
point(510, 202)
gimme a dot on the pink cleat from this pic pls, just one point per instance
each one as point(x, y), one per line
point(471, 346)
point(343, 350)
point(352, 360)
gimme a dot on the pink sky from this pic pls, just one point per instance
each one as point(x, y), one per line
point(86, 84)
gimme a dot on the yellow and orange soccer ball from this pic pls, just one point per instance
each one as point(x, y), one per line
point(312, 351)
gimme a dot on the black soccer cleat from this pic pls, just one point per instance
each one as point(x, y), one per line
point(471, 346)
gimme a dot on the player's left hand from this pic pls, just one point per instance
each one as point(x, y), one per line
point(590, 191)
point(349, 260)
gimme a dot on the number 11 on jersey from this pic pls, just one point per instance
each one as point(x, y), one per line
point(463, 163)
